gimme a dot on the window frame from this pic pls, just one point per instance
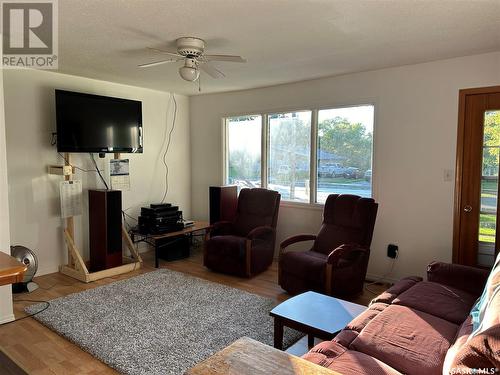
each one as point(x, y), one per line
point(313, 165)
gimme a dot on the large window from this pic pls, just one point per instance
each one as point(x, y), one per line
point(243, 150)
point(289, 154)
point(345, 142)
point(274, 150)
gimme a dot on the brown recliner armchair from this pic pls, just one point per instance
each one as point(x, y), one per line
point(337, 262)
point(245, 246)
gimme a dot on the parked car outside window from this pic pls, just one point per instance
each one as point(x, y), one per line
point(331, 170)
point(352, 172)
point(368, 175)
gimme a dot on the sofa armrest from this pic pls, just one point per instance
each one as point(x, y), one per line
point(466, 278)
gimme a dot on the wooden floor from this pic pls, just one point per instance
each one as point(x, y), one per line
point(38, 350)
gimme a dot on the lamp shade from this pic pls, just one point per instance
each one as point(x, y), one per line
point(188, 73)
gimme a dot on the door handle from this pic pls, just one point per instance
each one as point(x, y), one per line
point(467, 208)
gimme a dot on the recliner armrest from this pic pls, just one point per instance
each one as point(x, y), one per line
point(466, 278)
point(342, 251)
point(261, 232)
point(298, 238)
point(220, 228)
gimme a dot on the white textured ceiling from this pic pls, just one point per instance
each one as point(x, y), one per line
point(283, 40)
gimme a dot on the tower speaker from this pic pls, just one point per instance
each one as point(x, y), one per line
point(105, 229)
point(223, 203)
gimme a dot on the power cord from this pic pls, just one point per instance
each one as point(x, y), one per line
point(29, 315)
point(53, 285)
point(74, 166)
point(380, 279)
point(168, 134)
point(98, 171)
point(131, 217)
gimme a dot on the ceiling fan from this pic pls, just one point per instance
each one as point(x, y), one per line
point(192, 51)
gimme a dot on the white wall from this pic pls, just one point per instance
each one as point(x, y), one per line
point(6, 313)
point(34, 195)
point(415, 141)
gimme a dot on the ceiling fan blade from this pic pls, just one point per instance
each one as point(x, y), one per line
point(229, 58)
point(154, 63)
point(164, 52)
point(211, 70)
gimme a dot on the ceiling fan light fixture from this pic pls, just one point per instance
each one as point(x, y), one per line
point(189, 73)
point(192, 51)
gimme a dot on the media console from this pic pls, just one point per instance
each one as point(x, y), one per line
point(171, 245)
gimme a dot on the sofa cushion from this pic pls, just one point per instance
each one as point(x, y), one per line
point(348, 362)
point(466, 278)
point(439, 300)
point(399, 287)
point(408, 340)
point(352, 330)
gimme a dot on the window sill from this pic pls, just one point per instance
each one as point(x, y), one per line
point(303, 205)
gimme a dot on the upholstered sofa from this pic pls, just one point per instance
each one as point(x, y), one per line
point(423, 327)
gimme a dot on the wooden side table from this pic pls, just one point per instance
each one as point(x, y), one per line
point(11, 270)
point(249, 357)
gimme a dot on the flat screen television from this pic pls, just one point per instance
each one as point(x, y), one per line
point(94, 123)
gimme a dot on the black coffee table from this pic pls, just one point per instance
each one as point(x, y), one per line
point(315, 314)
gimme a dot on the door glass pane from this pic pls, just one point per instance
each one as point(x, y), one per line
point(489, 189)
point(243, 150)
point(345, 143)
point(289, 155)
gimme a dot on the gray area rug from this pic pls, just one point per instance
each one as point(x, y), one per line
point(162, 322)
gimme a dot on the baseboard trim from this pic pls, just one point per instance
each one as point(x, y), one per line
point(373, 277)
point(7, 318)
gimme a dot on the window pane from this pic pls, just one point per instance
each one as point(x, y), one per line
point(289, 155)
point(489, 189)
point(243, 159)
point(345, 143)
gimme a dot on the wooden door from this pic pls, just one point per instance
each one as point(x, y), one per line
point(476, 240)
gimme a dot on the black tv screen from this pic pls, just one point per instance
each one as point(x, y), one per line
point(94, 123)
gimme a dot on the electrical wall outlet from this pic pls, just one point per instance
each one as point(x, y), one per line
point(392, 251)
